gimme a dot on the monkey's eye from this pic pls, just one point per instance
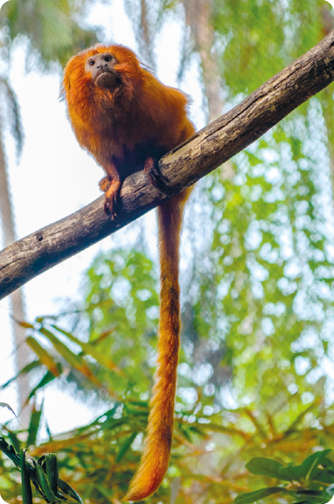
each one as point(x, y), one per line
point(91, 63)
point(107, 58)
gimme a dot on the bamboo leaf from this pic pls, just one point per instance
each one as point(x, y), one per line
point(250, 497)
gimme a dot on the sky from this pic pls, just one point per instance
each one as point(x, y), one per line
point(55, 177)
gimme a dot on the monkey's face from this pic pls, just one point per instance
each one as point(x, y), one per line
point(101, 68)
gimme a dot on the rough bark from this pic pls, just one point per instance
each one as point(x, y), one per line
point(183, 166)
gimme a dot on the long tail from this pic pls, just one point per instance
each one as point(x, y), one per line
point(155, 459)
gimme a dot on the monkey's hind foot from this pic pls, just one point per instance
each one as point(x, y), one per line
point(156, 178)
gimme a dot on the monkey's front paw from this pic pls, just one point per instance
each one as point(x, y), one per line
point(157, 179)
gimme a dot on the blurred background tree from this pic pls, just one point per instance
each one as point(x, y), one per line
point(53, 34)
point(256, 365)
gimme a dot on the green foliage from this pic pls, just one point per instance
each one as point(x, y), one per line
point(122, 301)
point(271, 274)
point(310, 482)
point(43, 473)
point(51, 28)
point(257, 308)
point(258, 39)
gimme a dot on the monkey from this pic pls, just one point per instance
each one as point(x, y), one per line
point(127, 120)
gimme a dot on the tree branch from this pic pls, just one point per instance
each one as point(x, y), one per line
point(183, 166)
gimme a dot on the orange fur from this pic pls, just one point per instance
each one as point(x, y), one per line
point(125, 127)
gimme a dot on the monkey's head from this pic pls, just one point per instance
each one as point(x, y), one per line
point(101, 68)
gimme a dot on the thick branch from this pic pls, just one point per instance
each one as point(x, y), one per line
point(183, 166)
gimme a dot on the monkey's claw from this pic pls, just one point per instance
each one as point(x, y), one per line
point(110, 208)
point(112, 198)
point(110, 205)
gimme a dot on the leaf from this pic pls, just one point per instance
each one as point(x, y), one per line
point(44, 484)
point(125, 446)
point(44, 357)
point(253, 160)
point(47, 378)
point(248, 498)
point(312, 462)
point(9, 451)
point(25, 370)
point(34, 425)
point(330, 489)
point(89, 349)
point(291, 472)
point(5, 405)
point(308, 469)
point(69, 491)
point(314, 500)
point(301, 502)
point(26, 483)
point(25, 325)
point(266, 467)
point(52, 471)
point(74, 360)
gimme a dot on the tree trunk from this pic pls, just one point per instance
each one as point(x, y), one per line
point(198, 18)
point(16, 299)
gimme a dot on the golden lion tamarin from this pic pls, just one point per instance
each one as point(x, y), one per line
point(127, 119)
